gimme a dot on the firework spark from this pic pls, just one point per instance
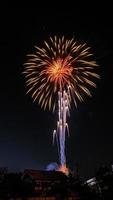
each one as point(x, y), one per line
point(62, 126)
point(60, 65)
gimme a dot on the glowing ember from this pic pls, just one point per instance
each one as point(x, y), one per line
point(64, 170)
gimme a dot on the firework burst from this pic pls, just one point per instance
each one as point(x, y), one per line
point(60, 71)
point(60, 65)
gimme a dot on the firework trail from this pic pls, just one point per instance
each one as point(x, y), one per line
point(62, 126)
point(58, 73)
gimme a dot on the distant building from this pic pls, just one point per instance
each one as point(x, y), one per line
point(102, 183)
point(44, 180)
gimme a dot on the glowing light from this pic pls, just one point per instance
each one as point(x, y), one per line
point(64, 170)
point(63, 109)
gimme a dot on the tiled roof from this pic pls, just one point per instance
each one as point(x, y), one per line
point(44, 175)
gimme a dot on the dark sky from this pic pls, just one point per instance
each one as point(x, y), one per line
point(25, 129)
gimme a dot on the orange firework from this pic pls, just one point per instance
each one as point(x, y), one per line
point(60, 65)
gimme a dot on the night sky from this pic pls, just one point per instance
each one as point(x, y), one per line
point(25, 129)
